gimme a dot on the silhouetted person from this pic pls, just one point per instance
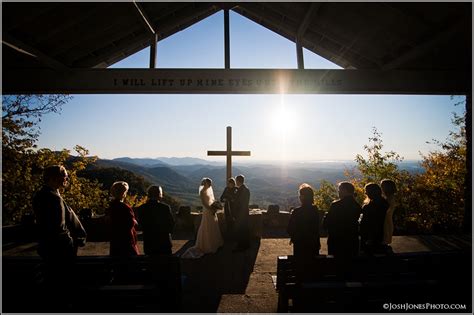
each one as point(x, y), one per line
point(389, 189)
point(228, 198)
point(123, 236)
point(241, 214)
point(342, 223)
point(373, 220)
point(303, 226)
point(60, 234)
point(60, 230)
point(157, 223)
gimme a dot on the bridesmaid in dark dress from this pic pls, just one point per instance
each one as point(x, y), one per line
point(123, 236)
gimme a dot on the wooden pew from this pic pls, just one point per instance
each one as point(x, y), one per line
point(95, 284)
point(364, 284)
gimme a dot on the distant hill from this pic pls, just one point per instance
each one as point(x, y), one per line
point(166, 161)
point(140, 161)
point(268, 183)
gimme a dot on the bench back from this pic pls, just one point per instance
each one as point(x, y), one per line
point(100, 283)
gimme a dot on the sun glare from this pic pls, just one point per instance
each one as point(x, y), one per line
point(283, 120)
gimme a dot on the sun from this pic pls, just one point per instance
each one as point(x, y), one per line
point(283, 120)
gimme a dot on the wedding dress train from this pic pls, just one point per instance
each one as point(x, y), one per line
point(209, 238)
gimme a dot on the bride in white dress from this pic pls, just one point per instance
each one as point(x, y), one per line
point(209, 238)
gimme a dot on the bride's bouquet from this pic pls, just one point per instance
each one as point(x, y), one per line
point(216, 205)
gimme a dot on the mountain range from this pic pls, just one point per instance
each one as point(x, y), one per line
point(269, 183)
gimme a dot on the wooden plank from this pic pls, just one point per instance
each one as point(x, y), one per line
point(226, 39)
point(224, 153)
point(236, 81)
point(33, 52)
point(313, 8)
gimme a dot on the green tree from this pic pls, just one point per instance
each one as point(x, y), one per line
point(325, 195)
point(378, 165)
point(22, 164)
point(438, 198)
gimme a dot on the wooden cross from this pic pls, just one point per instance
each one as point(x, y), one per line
point(229, 153)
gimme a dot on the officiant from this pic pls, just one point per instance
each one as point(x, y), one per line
point(241, 210)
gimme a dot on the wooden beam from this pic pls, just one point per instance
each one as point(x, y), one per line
point(154, 40)
point(236, 81)
point(181, 20)
point(419, 50)
point(299, 54)
point(33, 52)
point(226, 39)
point(313, 8)
point(144, 17)
point(256, 14)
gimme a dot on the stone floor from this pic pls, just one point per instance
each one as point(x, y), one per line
point(242, 282)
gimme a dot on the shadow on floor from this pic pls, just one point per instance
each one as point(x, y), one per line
point(206, 279)
point(446, 242)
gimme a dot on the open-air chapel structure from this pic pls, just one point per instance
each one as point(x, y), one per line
point(383, 48)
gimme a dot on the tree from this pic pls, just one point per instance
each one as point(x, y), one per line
point(21, 115)
point(440, 191)
point(325, 195)
point(377, 166)
point(22, 165)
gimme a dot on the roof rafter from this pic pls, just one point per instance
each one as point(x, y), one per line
point(426, 46)
point(33, 52)
point(144, 17)
point(313, 8)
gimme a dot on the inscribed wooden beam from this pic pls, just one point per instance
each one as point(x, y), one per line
point(236, 81)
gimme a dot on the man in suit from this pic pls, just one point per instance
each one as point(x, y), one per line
point(60, 231)
point(303, 226)
point(157, 223)
point(342, 223)
point(60, 234)
point(241, 213)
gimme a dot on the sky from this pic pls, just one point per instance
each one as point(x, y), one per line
point(273, 127)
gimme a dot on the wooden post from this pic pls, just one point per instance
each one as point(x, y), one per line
point(229, 156)
point(154, 40)
point(226, 40)
point(299, 54)
point(229, 153)
point(467, 224)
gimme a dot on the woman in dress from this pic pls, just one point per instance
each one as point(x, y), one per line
point(373, 220)
point(388, 191)
point(123, 237)
point(209, 238)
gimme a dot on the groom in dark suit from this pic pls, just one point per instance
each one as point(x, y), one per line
point(241, 206)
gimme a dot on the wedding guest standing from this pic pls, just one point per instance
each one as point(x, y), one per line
point(60, 234)
point(342, 223)
point(389, 189)
point(242, 216)
point(60, 230)
point(303, 226)
point(373, 220)
point(123, 238)
point(157, 223)
point(228, 197)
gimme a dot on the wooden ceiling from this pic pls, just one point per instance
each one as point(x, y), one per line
point(379, 36)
